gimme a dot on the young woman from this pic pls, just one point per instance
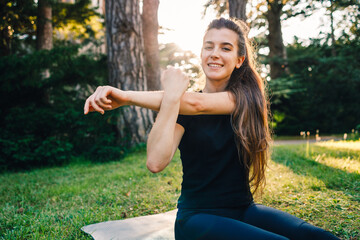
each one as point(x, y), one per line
point(223, 137)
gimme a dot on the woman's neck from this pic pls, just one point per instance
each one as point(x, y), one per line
point(212, 86)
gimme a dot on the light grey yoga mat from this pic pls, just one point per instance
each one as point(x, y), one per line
point(152, 227)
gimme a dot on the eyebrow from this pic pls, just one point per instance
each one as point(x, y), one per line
point(223, 43)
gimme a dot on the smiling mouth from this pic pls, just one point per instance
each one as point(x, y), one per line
point(215, 65)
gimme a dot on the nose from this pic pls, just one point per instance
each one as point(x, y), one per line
point(215, 53)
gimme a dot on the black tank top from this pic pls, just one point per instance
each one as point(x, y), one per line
point(213, 176)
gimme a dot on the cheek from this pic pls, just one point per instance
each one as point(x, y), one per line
point(203, 59)
point(203, 64)
point(202, 56)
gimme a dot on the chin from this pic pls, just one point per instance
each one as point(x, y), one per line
point(216, 77)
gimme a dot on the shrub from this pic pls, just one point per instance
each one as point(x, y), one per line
point(42, 118)
point(320, 91)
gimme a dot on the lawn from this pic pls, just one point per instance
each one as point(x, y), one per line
point(320, 184)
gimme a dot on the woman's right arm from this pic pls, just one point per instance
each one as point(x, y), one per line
point(109, 98)
point(166, 134)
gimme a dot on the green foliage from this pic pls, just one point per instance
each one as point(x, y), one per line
point(79, 12)
point(19, 18)
point(17, 25)
point(321, 91)
point(42, 117)
point(78, 22)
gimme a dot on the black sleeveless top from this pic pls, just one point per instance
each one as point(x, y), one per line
point(213, 176)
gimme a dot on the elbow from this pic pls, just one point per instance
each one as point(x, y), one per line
point(196, 104)
point(156, 159)
point(153, 167)
point(199, 107)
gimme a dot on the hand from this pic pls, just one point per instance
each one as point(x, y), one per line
point(105, 98)
point(175, 82)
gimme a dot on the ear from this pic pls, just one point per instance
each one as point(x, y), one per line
point(240, 61)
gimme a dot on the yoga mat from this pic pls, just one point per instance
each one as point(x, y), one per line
point(152, 227)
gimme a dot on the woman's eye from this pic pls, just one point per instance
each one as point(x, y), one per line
point(208, 48)
point(226, 49)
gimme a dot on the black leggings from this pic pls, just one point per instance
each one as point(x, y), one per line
point(253, 222)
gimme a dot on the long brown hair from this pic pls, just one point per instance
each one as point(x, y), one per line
point(250, 117)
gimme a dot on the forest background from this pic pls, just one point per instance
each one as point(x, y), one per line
point(54, 54)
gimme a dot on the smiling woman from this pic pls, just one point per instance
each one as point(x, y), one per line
point(224, 157)
point(219, 56)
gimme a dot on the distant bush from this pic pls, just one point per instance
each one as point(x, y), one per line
point(320, 91)
point(42, 120)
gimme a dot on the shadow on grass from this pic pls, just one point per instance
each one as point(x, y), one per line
point(294, 158)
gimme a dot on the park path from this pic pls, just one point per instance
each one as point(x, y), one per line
point(302, 141)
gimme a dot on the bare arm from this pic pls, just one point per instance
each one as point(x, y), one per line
point(108, 98)
point(207, 103)
point(165, 134)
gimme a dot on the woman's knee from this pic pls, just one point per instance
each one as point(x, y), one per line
point(309, 231)
point(284, 224)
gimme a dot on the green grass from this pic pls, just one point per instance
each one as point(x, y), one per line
point(55, 203)
point(321, 186)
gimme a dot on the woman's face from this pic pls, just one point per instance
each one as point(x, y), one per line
point(219, 54)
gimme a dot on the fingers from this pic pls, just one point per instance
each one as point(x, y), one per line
point(174, 79)
point(98, 101)
point(94, 103)
point(174, 73)
point(86, 106)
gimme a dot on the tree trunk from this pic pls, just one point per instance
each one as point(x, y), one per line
point(151, 45)
point(277, 55)
point(333, 50)
point(237, 9)
point(126, 64)
point(44, 31)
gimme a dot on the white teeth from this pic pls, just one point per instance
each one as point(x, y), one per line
point(215, 65)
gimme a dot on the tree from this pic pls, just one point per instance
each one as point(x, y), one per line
point(277, 54)
point(126, 64)
point(24, 24)
point(322, 90)
point(237, 8)
point(274, 11)
point(17, 25)
point(151, 45)
point(44, 32)
point(351, 13)
point(220, 6)
point(80, 18)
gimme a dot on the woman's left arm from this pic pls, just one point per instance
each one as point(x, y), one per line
point(107, 98)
